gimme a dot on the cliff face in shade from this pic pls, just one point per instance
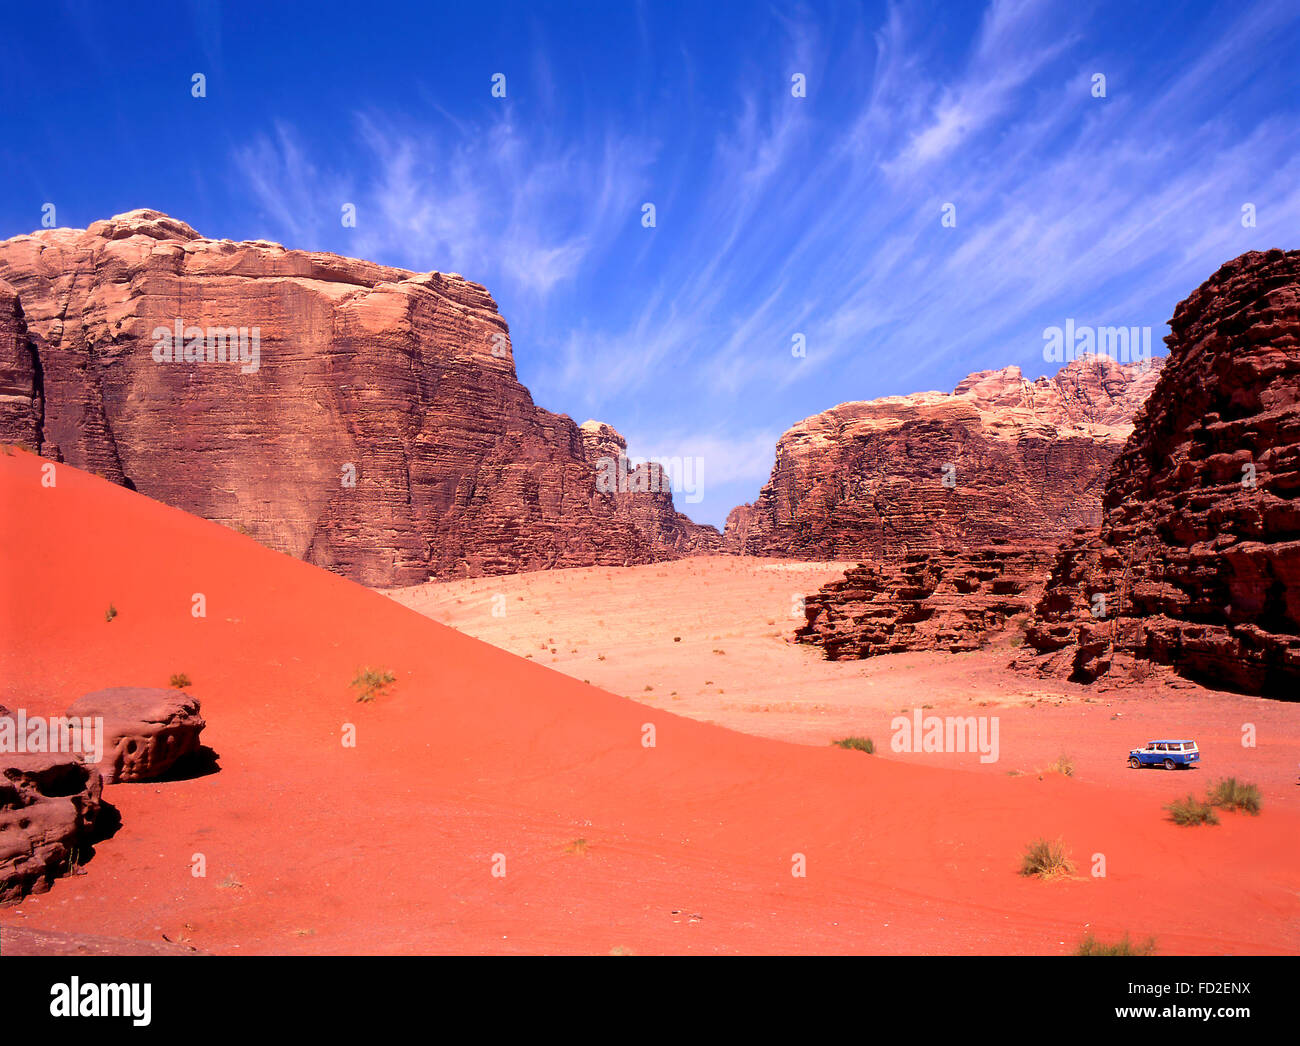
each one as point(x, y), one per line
point(379, 430)
point(1197, 563)
point(20, 383)
point(999, 458)
point(953, 601)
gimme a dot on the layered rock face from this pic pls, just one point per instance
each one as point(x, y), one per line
point(643, 493)
point(1197, 563)
point(952, 600)
point(20, 400)
point(1000, 458)
point(48, 806)
point(364, 418)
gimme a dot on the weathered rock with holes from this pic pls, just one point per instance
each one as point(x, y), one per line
point(1197, 564)
point(954, 601)
point(146, 730)
point(379, 430)
point(48, 806)
point(999, 458)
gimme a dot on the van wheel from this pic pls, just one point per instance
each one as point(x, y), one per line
point(1135, 762)
point(1169, 764)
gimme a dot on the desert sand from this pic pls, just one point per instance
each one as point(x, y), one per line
point(712, 638)
point(477, 759)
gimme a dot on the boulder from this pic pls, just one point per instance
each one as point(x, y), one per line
point(48, 806)
point(146, 730)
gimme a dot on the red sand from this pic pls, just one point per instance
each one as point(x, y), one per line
point(388, 846)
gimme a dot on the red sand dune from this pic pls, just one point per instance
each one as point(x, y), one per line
point(388, 846)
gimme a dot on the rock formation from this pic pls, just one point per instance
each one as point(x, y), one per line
point(146, 730)
point(20, 401)
point(643, 493)
point(952, 600)
point(1000, 458)
point(48, 806)
point(365, 418)
point(1197, 562)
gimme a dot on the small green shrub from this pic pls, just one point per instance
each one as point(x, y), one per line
point(862, 744)
point(1231, 794)
point(180, 681)
point(1190, 810)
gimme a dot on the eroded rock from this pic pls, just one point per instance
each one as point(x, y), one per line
point(999, 458)
point(146, 730)
point(954, 601)
point(1197, 562)
point(48, 806)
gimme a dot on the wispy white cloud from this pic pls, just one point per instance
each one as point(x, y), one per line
point(821, 216)
point(497, 204)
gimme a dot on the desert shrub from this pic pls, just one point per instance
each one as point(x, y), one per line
point(1046, 859)
point(1231, 794)
point(1189, 811)
point(1091, 946)
point(1064, 766)
point(180, 681)
point(371, 683)
point(862, 744)
point(110, 613)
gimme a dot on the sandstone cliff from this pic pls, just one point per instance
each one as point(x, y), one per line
point(365, 418)
point(20, 401)
point(1197, 562)
point(999, 458)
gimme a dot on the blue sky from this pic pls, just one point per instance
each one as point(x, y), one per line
point(775, 215)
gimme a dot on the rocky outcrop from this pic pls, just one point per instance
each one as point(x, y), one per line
point(146, 730)
point(365, 418)
point(1197, 562)
point(20, 385)
point(1000, 458)
point(952, 600)
point(48, 806)
point(642, 492)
